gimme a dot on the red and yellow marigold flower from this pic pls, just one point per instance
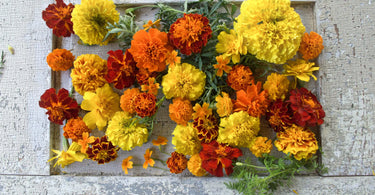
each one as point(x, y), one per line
point(311, 45)
point(145, 104)
point(148, 159)
point(121, 69)
point(58, 18)
point(177, 163)
point(59, 107)
point(261, 145)
point(279, 115)
point(222, 65)
point(207, 128)
point(102, 151)
point(60, 59)
point(253, 101)
point(224, 105)
point(74, 129)
point(127, 100)
point(195, 166)
point(240, 77)
point(190, 33)
point(180, 111)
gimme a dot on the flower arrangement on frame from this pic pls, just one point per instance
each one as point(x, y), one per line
point(223, 75)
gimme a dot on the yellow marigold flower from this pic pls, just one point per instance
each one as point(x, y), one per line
point(202, 111)
point(127, 164)
point(68, 157)
point(300, 69)
point(277, 86)
point(91, 18)
point(88, 73)
point(222, 65)
point(102, 106)
point(126, 132)
point(271, 28)
point(239, 129)
point(224, 105)
point(184, 81)
point(297, 141)
point(186, 139)
point(148, 159)
point(231, 45)
point(160, 141)
point(261, 145)
point(195, 166)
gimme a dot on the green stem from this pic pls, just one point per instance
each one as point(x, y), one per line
point(249, 165)
point(160, 168)
point(163, 162)
point(129, 10)
point(65, 144)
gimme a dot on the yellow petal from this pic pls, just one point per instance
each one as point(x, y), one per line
point(90, 120)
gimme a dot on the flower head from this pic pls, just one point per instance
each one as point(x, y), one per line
point(207, 128)
point(222, 65)
point(311, 45)
point(202, 111)
point(102, 104)
point(145, 104)
point(59, 107)
point(231, 45)
point(127, 164)
point(60, 59)
point(301, 69)
point(277, 86)
point(224, 105)
point(102, 151)
point(127, 100)
point(91, 18)
point(177, 163)
point(85, 141)
point(180, 111)
point(279, 115)
point(74, 129)
point(58, 18)
point(121, 69)
point(160, 141)
point(240, 77)
point(152, 86)
point(88, 73)
point(173, 59)
point(186, 139)
point(195, 166)
point(260, 146)
point(184, 81)
point(65, 158)
point(190, 33)
point(252, 100)
point(125, 132)
point(217, 156)
point(148, 159)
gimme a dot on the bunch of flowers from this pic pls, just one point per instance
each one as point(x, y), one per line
point(222, 76)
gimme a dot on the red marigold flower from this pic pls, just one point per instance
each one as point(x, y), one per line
point(121, 69)
point(102, 151)
point(145, 104)
point(279, 115)
point(58, 18)
point(307, 111)
point(190, 33)
point(217, 156)
point(60, 106)
point(240, 77)
point(177, 163)
point(207, 127)
point(252, 100)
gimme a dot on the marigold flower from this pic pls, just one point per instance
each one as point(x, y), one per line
point(202, 111)
point(222, 65)
point(88, 73)
point(184, 81)
point(186, 139)
point(151, 24)
point(145, 104)
point(297, 141)
point(311, 45)
point(207, 128)
point(68, 157)
point(150, 49)
point(91, 19)
point(190, 33)
point(239, 129)
point(277, 86)
point(148, 159)
point(59, 107)
point(173, 59)
point(231, 45)
point(102, 151)
point(240, 77)
point(121, 69)
point(74, 129)
point(102, 104)
point(194, 165)
point(217, 156)
point(300, 69)
point(224, 105)
point(160, 141)
point(60, 59)
point(260, 146)
point(58, 18)
point(152, 86)
point(279, 115)
point(180, 111)
point(252, 100)
point(126, 132)
point(306, 109)
point(127, 100)
point(177, 163)
point(127, 164)
point(85, 141)
point(272, 29)
point(143, 75)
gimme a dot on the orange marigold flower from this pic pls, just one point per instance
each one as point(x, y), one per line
point(150, 49)
point(222, 65)
point(240, 77)
point(190, 33)
point(279, 115)
point(260, 146)
point(173, 59)
point(311, 45)
point(145, 104)
point(85, 141)
point(217, 156)
point(148, 159)
point(152, 86)
point(195, 166)
point(151, 24)
point(177, 163)
point(60, 59)
point(127, 100)
point(58, 18)
point(202, 111)
point(74, 129)
point(102, 151)
point(127, 164)
point(224, 105)
point(160, 141)
point(207, 128)
point(180, 111)
point(59, 107)
point(121, 69)
point(143, 75)
point(252, 100)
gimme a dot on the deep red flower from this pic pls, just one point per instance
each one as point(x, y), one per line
point(207, 128)
point(217, 156)
point(58, 18)
point(121, 69)
point(60, 106)
point(279, 115)
point(102, 151)
point(307, 111)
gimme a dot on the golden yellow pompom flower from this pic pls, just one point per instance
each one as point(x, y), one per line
point(186, 139)
point(261, 145)
point(125, 132)
point(277, 86)
point(184, 81)
point(195, 166)
point(239, 129)
point(65, 158)
point(90, 19)
point(231, 45)
point(224, 105)
point(300, 69)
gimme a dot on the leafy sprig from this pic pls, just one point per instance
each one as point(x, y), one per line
point(123, 30)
